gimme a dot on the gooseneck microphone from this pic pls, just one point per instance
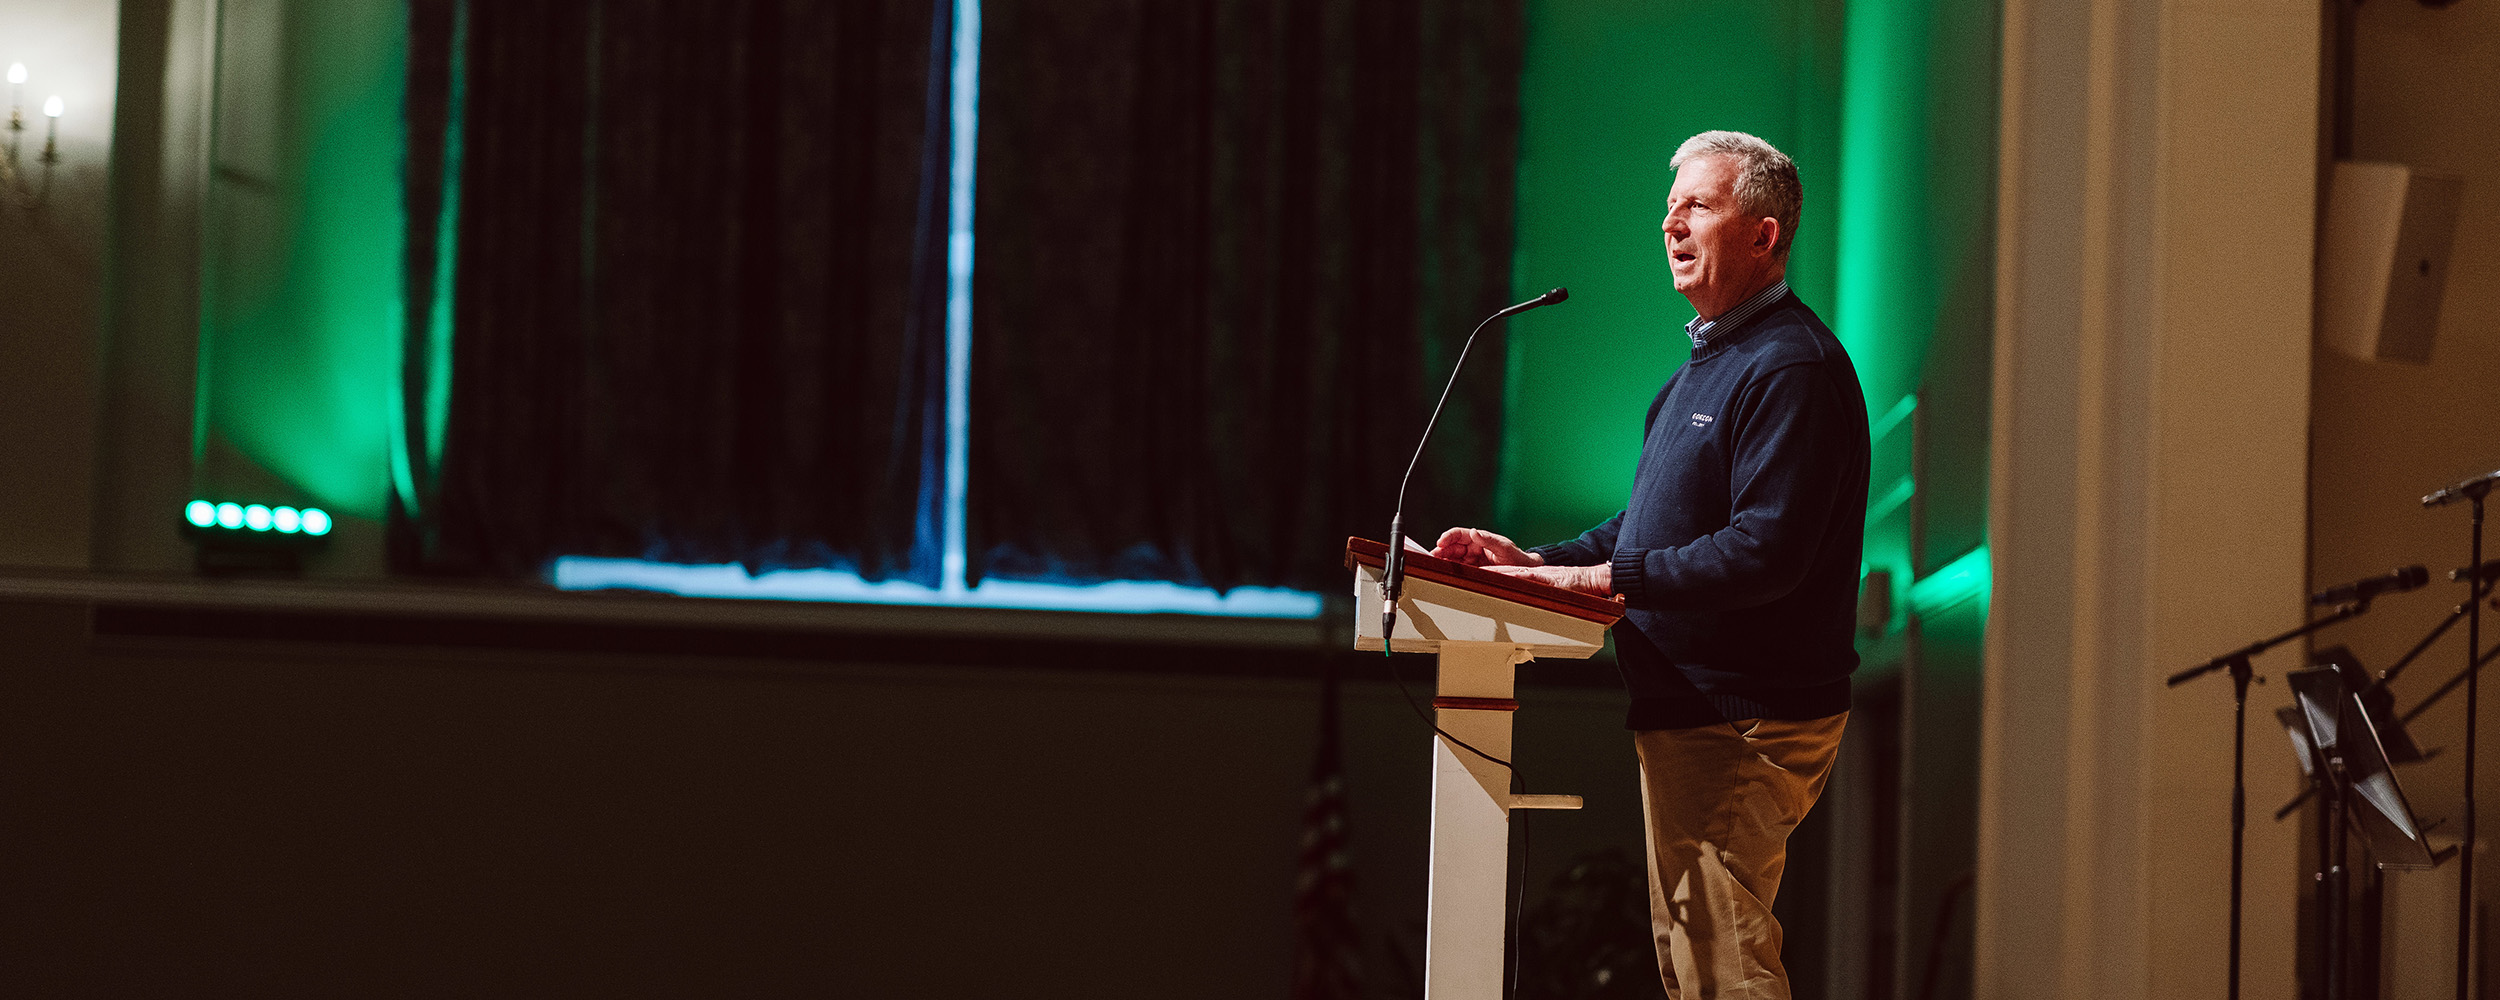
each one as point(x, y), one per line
point(2397, 582)
point(1391, 572)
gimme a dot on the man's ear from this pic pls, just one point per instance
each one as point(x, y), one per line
point(1766, 237)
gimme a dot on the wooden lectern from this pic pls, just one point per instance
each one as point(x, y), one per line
point(1483, 625)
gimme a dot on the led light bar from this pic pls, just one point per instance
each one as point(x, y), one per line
point(234, 519)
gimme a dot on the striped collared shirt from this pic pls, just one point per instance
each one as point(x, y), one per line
point(1700, 329)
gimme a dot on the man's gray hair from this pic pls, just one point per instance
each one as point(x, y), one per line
point(1766, 179)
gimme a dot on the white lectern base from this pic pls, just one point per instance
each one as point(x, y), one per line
point(1481, 639)
point(1471, 796)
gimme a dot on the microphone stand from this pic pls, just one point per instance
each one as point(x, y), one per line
point(2452, 684)
point(2481, 588)
point(2473, 691)
point(2473, 491)
point(2236, 661)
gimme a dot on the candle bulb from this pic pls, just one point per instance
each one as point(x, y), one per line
point(51, 138)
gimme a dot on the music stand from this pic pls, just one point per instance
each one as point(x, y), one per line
point(2344, 754)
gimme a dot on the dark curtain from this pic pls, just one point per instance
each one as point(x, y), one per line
point(437, 35)
point(700, 282)
point(1227, 252)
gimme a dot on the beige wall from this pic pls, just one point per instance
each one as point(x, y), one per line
point(2151, 401)
point(2385, 433)
point(51, 278)
point(98, 287)
point(151, 347)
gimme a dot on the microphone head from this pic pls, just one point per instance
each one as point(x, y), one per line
point(2411, 577)
point(1554, 296)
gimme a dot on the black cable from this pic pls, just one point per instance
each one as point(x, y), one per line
point(1518, 903)
point(1444, 733)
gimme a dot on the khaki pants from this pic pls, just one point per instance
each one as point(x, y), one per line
point(1720, 802)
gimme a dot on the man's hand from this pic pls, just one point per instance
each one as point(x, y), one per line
point(1598, 580)
point(1478, 547)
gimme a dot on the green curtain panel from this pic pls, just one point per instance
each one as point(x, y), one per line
point(1227, 250)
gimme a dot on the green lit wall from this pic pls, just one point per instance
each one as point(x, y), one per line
point(299, 346)
point(1914, 300)
point(1610, 87)
point(1889, 110)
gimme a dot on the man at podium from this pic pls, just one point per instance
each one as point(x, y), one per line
point(1737, 559)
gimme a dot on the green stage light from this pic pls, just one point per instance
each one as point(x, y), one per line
point(253, 539)
point(1959, 580)
point(230, 519)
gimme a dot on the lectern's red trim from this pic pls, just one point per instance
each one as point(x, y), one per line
point(1605, 610)
point(1478, 704)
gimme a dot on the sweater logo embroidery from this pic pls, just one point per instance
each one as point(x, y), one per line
point(1702, 419)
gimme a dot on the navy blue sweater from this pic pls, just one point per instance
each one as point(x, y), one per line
point(1737, 556)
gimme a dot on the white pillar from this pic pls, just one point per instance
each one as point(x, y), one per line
point(2149, 474)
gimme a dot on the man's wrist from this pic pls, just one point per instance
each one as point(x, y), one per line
point(1598, 579)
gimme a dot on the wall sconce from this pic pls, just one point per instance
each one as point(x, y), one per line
point(13, 182)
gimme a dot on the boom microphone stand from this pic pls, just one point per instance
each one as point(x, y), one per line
point(2473, 491)
point(2236, 661)
point(2453, 683)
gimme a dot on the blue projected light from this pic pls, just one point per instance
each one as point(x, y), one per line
point(316, 521)
point(256, 517)
point(200, 513)
point(229, 515)
point(1118, 596)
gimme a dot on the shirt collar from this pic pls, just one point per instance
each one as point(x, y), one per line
point(1702, 330)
